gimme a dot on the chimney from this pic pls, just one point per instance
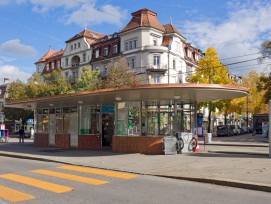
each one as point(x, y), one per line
point(6, 80)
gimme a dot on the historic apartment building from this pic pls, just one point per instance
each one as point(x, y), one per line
point(156, 53)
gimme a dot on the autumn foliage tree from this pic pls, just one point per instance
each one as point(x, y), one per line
point(211, 71)
point(119, 75)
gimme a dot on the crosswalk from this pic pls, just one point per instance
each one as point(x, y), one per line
point(14, 195)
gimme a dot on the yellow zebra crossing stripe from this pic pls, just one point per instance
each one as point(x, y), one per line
point(71, 177)
point(37, 183)
point(99, 172)
point(14, 196)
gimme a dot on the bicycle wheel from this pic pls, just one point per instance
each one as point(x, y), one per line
point(193, 144)
point(179, 145)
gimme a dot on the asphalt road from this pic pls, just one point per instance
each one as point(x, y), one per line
point(110, 187)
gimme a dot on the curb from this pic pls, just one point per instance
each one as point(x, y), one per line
point(243, 153)
point(230, 183)
point(221, 182)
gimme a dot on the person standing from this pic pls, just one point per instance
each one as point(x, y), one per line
point(32, 133)
point(21, 135)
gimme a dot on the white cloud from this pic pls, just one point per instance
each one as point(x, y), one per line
point(88, 15)
point(16, 48)
point(4, 59)
point(8, 71)
point(240, 33)
point(81, 12)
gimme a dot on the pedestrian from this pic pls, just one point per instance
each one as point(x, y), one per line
point(21, 135)
point(32, 133)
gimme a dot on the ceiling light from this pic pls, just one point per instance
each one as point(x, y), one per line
point(177, 97)
point(118, 98)
point(80, 102)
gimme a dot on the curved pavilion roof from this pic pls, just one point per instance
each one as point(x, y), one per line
point(186, 92)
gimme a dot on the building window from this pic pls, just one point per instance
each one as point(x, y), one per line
point(156, 61)
point(178, 46)
point(71, 47)
point(130, 44)
point(74, 46)
point(66, 62)
point(47, 67)
point(58, 64)
point(78, 45)
point(154, 41)
point(97, 53)
point(115, 49)
point(135, 43)
point(131, 62)
point(105, 51)
point(174, 64)
point(53, 65)
point(156, 79)
point(84, 57)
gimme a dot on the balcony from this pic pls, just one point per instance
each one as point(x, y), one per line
point(151, 68)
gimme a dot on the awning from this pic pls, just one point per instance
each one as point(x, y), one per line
point(185, 92)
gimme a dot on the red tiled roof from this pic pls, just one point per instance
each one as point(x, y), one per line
point(143, 18)
point(56, 54)
point(45, 56)
point(166, 40)
point(87, 34)
point(171, 29)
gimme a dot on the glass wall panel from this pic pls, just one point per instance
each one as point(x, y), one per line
point(39, 123)
point(66, 122)
point(59, 123)
point(122, 118)
point(133, 118)
point(89, 119)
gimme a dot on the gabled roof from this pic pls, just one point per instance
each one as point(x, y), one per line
point(48, 54)
point(87, 34)
point(171, 29)
point(56, 54)
point(143, 18)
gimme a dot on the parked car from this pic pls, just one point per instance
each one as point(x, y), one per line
point(224, 130)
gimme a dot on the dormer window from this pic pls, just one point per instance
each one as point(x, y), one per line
point(115, 49)
point(97, 54)
point(105, 51)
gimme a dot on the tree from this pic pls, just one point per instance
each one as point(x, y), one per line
point(119, 75)
point(16, 91)
point(88, 80)
point(18, 114)
point(265, 50)
point(56, 84)
point(210, 71)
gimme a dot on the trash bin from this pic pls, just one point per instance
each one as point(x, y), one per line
point(209, 137)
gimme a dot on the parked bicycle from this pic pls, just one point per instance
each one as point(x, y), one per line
point(192, 145)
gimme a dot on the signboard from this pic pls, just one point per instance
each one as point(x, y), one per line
point(108, 108)
point(30, 121)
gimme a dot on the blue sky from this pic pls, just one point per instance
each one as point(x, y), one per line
point(235, 28)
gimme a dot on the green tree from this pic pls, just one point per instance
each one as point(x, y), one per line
point(210, 71)
point(18, 114)
point(88, 80)
point(119, 75)
point(56, 84)
point(16, 91)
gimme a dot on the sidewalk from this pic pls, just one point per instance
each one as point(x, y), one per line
point(233, 164)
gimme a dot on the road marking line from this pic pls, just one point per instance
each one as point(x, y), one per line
point(71, 177)
point(13, 195)
point(99, 172)
point(37, 183)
